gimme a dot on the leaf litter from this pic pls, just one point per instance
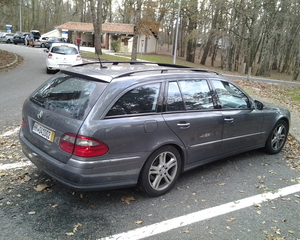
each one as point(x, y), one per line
point(10, 151)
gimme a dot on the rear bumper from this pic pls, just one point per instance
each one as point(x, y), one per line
point(52, 65)
point(83, 175)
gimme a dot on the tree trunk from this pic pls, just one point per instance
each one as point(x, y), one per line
point(297, 66)
point(97, 23)
point(207, 48)
point(212, 35)
point(136, 30)
point(192, 32)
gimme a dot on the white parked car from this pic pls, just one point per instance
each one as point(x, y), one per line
point(62, 55)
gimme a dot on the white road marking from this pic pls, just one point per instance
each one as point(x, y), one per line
point(11, 132)
point(15, 165)
point(191, 218)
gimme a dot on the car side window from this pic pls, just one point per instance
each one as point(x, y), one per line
point(143, 99)
point(174, 100)
point(193, 94)
point(230, 96)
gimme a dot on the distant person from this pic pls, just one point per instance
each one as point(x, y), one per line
point(78, 41)
point(31, 40)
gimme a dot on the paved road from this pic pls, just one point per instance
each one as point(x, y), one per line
point(16, 85)
point(264, 80)
point(33, 206)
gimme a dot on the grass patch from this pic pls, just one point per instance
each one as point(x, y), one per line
point(104, 57)
point(296, 94)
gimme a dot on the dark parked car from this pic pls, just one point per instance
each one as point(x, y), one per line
point(97, 126)
point(20, 38)
point(51, 40)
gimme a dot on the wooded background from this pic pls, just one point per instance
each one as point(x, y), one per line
point(256, 35)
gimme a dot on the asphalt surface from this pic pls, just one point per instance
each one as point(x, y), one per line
point(34, 206)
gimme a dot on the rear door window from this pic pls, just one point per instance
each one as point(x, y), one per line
point(68, 95)
point(143, 99)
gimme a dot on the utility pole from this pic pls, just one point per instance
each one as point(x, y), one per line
point(20, 16)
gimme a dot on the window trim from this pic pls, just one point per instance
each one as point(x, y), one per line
point(214, 106)
point(130, 88)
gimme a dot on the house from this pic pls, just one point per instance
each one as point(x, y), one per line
point(110, 32)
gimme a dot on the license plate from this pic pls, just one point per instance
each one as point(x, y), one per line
point(64, 65)
point(43, 132)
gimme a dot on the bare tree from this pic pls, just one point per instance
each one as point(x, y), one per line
point(97, 23)
point(192, 32)
point(213, 31)
point(137, 30)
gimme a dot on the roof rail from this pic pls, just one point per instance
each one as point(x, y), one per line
point(161, 70)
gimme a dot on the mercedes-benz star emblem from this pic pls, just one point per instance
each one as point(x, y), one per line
point(40, 115)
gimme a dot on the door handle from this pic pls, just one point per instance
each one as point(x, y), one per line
point(229, 119)
point(183, 125)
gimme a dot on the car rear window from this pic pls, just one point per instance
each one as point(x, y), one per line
point(68, 95)
point(65, 50)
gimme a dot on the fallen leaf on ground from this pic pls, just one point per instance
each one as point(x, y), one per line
point(221, 184)
point(41, 187)
point(138, 223)
point(230, 220)
point(127, 200)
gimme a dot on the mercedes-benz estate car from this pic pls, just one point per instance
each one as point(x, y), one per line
point(108, 125)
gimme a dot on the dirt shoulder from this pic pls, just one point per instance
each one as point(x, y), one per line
point(9, 61)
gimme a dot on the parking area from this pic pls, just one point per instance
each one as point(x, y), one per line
point(206, 203)
point(251, 194)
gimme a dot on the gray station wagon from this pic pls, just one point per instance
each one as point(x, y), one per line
point(118, 124)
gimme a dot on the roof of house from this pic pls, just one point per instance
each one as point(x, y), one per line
point(120, 28)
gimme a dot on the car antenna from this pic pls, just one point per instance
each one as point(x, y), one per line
point(101, 65)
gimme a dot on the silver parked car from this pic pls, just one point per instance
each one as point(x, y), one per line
point(41, 42)
point(96, 126)
point(7, 37)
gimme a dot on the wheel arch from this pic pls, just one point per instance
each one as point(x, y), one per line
point(180, 150)
point(271, 148)
point(287, 122)
point(144, 182)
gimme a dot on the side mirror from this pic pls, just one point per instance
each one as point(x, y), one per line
point(46, 50)
point(259, 105)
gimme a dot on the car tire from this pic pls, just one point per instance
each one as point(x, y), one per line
point(48, 71)
point(42, 45)
point(160, 171)
point(277, 137)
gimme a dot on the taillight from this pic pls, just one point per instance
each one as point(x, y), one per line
point(78, 58)
point(82, 146)
point(50, 56)
point(24, 122)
